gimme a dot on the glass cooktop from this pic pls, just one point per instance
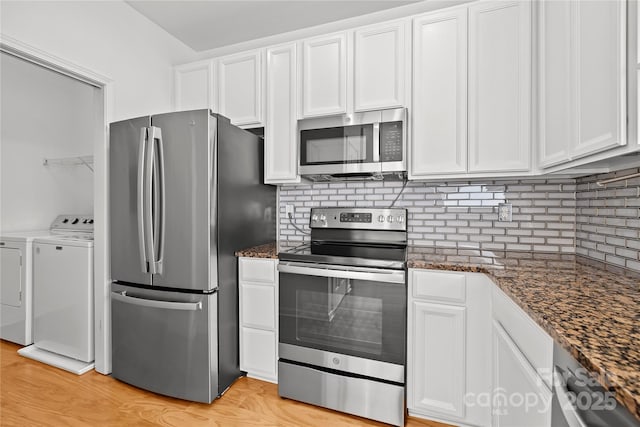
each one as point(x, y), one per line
point(366, 255)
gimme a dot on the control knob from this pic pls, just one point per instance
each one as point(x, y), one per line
point(314, 218)
point(390, 218)
point(400, 218)
point(381, 218)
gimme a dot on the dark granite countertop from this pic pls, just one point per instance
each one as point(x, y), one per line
point(589, 308)
point(268, 250)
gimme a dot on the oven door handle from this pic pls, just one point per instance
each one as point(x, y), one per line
point(323, 270)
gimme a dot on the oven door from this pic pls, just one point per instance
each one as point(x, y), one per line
point(349, 319)
point(340, 149)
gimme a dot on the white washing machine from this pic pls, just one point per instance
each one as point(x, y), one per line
point(63, 296)
point(16, 287)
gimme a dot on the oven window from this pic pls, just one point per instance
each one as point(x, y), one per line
point(354, 317)
point(346, 144)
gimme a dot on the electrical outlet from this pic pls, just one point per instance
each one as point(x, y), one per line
point(289, 210)
point(505, 212)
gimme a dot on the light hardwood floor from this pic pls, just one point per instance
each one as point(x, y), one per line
point(35, 394)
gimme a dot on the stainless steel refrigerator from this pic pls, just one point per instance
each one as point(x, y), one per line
point(186, 192)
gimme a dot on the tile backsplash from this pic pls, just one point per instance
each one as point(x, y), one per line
point(460, 214)
point(608, 219)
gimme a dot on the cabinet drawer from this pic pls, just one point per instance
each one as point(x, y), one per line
point(533, 342)
point(439, 286)
point(257, 270)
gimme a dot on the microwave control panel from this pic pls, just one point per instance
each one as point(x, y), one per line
point(391, 141)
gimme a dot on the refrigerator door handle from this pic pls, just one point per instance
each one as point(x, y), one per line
point(147, 201)
point(156, 266)
point(141, 187)
point(152, 303)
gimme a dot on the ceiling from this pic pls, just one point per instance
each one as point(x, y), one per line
point(210, 24)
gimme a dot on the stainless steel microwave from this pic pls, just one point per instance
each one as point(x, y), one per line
point(367, 145)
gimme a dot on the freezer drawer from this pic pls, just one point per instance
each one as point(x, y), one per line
point(165, 342)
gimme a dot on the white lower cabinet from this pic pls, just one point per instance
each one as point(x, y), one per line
point(448, 357)
point(520, 396)
point(474, 357)
point(439, 336)
point(522, 367)
point(258, 300)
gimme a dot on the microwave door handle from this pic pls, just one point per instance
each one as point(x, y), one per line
point(361, 274)
point(376, 142)
point(140, 199)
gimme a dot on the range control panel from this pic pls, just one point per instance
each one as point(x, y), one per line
point(359, 218)
point(71, 222)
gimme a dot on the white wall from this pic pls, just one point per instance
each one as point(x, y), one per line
point(109, 38)
point(44, 114)
point(112, 41)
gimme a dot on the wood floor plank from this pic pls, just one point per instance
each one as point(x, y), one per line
point(35, 394)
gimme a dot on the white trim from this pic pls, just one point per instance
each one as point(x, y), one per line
point(101, 277)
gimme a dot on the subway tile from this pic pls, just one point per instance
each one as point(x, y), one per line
point(568, 215)
point(612, 259)
point(633, 265)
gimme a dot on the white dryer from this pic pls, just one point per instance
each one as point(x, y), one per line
point(63, 296)
point(16, 288)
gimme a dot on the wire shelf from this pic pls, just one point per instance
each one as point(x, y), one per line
point(70, 161)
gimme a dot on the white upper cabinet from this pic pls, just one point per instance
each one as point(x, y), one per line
point(240, 88)
point(582, 79)
point(439, 113)
point(324, 75)
point(281, 147)
point(380, 71)
point(194, 86)
point(500, 86)
point(555, 82)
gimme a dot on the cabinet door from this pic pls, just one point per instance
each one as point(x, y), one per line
point(193, 86)
point(556, 108)
point(600, 61)
point(258, 305)
point(240, 88)
point(379, 66)
point(280, 142)
point(324, 75)
point(258, 354)
point(437, 359)
point(439, 141)
point(499, 86)
point(521, 397)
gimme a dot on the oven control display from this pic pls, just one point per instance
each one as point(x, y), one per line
point(355, 217)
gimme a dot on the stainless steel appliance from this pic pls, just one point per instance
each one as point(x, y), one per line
point(579, 400)
point(186, 192)
point(343, 303)
point(368, 145)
